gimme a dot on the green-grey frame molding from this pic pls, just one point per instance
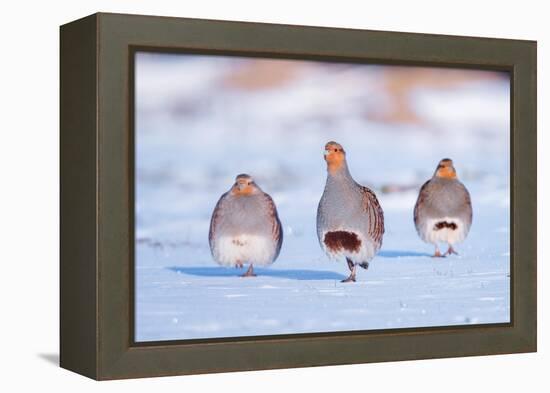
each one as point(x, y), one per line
point(96, 268)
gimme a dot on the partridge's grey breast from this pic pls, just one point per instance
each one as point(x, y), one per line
point(349, 218)
point(245, 229)
point(439, 198)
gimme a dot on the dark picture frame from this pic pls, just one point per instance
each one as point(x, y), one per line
point(97, 174)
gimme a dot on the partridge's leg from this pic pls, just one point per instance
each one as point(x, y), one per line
point(350, 264)
point(450, 251)
point(238, 265)
point(249, 272)
point(437, 253)
point(352, 267)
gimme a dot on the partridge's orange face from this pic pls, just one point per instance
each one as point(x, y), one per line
point(445, 169)
point(335, 156)
point(244, 185)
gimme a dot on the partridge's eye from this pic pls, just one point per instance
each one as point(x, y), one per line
point(335, 150)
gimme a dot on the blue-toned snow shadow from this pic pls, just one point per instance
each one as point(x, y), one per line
point(401, 254)
point(293, 274)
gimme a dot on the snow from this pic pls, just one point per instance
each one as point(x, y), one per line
point(194, 134)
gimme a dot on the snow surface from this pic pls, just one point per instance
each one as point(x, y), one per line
point(194, 135)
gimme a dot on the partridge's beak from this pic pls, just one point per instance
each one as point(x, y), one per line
point(326, 153)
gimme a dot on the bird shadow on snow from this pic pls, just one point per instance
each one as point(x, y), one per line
point(293, 274)
point(401, 254)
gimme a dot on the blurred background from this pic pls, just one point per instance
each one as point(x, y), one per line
point(201, 120)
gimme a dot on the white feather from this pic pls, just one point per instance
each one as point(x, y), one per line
point(444, 235)
point(365, 254)
point(257, 250)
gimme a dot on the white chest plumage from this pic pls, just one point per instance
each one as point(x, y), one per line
point(453, 233)
point(245, 248)
point(364, 252)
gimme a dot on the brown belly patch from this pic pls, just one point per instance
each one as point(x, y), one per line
point(445, 224)
point(342, 240)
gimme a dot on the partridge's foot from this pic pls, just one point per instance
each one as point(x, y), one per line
point(451, 251)
point(249, 272)
point(351, 277)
